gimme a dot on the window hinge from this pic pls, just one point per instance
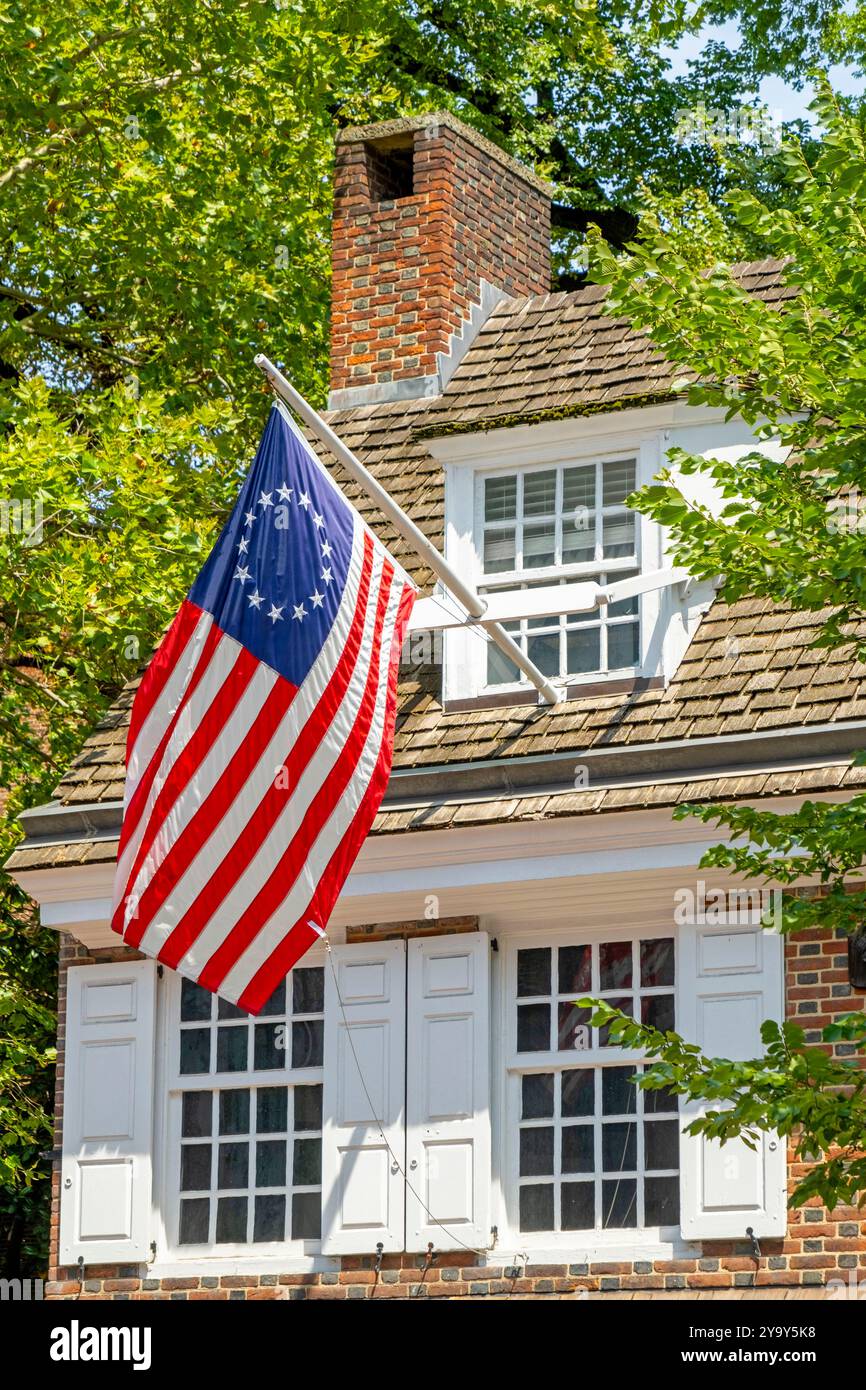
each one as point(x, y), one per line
point(494, 944)
point(152, 1259)
point(160, 971)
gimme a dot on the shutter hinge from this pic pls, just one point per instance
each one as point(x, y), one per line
point(159, 971)
point(494, 944)
point(152, 1259)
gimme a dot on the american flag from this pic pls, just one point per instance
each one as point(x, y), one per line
point(261, 735)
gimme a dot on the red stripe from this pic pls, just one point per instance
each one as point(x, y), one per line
point(139, 797)
point(283, 876)
point(219, 712)
point(219, 803)
point(162, 663)
point(302, 936)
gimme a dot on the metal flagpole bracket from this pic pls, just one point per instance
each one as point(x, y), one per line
point(472, 602)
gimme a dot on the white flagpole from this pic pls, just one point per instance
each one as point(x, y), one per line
point(474, 604)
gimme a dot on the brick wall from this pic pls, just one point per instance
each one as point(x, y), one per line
point(818, 1247)
point(407, 270)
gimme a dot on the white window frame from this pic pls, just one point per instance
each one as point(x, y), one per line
point(465, 654)
point(247, 1254)
point(620, 1242)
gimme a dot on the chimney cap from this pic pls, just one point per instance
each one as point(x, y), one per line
point(430, 122)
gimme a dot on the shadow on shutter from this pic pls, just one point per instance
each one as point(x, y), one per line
point(730, 980)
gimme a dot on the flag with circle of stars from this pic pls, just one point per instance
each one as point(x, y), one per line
point(261, 735)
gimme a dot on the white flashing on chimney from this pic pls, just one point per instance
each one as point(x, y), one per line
point(425, 387)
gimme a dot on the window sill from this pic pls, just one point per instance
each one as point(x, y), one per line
point(202, 1266)
point(665, 1243)
point(629, 685)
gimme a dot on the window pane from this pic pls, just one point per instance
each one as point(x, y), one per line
point(539, 493)
point(195, 1002)
point(500, 670)
point(308, 1107)
point(536, 1152)
point(231, 1220)
point(617, 481)
point(269, 1220)
point(614, 965)
point(578, 1093)
point(537, 1097)
point(574, 1029)
point(277, 1002)
point(233, 1169)
point(271, 1109)
point(619, 1146)
point(578, 1149)
point(195, 1168)
point(197, 1108)
point(617, 535)
point(661, 1199)
point(499, 551)
point(271, 1163)
point(194, 1051)
point(536, 1207)
point(533, 972)
point(306, 1216)
point(619, 1202)
point(578, 1206)
point(539, 544)
point(232, 1048)
point(227, 1010)
point(625, 607)
point(578, 488)
point(657, 962)
point(660, 1102)
point(500, 499)
point(578, 538)
point(234, 1112)
point(618, 1092)
point(623, 646)
point(308, 990)
point(270, 1046)
point(308, 1041)
point(544, 651)
point(658, 1012)
point(307, 1163)
point(583, 650)
point(625, 1006)
point(661, 1144)
point(575, 969)
point(194, 1219)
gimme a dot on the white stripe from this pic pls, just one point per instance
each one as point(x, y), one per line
point(330, 836)
point(164, 708)
point(276, 842)
point(223, 658)
point(212, 767)
point(261, 778)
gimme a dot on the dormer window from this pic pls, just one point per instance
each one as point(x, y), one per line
point(553, 525)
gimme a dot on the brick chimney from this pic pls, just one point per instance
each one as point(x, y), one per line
point(433, 224)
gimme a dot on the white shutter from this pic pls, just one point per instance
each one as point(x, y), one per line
point(448, 1092)
point(730, 980)
point(105, 1206)
point(362, 1186)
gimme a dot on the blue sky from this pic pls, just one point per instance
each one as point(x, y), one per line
point(779, 96)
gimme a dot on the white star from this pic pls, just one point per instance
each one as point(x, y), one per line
point(327, 576)
point(276, 613)
point(304, 501)
point(318, 521)
point(326, 548)
point(249, 518)
point(242, 573)
point(285, 494)
point(243, 545)
point(317, 599)
point(300, 612)
point(265, 499)
point(256, 599)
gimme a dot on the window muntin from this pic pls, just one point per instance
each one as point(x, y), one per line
point(249, 1166)
point(557, 524)
point(594, 1152)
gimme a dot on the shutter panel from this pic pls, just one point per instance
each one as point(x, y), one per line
point(105, 1205)
point(730, 980)
point(362, 1187)
point(448, 1092)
